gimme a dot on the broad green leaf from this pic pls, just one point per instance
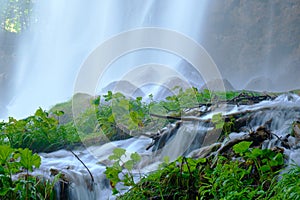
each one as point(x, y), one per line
point(28, 160)
point(277, 160)
point(129, 165)
point(117, 154)
point(5, 153)
point(202, 160)
point(220, 125)
point(241, 147)
point(265, 168)
point(217, 118)
point(256, 152)
point(135, 157)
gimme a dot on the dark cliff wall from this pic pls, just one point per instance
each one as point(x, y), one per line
point(255, 39)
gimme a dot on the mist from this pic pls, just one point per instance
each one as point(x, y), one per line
point(254, 44)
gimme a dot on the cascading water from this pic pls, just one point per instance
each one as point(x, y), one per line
point(182, 138)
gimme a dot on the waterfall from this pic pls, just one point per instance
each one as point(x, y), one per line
point(246, 45)
point(66, 32)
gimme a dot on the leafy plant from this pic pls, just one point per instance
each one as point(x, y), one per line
point(226, 126)
point(13, 163)
point(39, 132)
point(288, 186)
point(244, 177)
point(121, 170)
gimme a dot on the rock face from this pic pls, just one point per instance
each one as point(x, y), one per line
point(249, 38)
point(218, 85)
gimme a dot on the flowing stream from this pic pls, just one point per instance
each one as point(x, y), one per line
point(187, 139)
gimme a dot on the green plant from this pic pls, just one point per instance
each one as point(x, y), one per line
point(13, 163)
point(121, 170)
point(243, 173)
point(287, 186)
point(39, 132)
point(225, 125)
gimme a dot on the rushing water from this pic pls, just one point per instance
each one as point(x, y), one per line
point(276, 115)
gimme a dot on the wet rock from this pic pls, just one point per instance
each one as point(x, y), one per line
point(296, 130)
point(212, 136)
point(63, 184)
point(257, 137)
point(204, 151)
point(261, 134)
point(162, 137)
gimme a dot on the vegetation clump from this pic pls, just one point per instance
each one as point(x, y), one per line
point(40, 133)
point(249, 173)
point(19, 162)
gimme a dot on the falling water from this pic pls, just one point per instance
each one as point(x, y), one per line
point(66, 32)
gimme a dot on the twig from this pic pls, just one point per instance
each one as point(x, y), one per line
point(183, 118)
point(83, 165)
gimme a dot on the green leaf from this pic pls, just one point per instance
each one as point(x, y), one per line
point(279, 158)
point(5, 153)
point(256, 152)
point(166, 159)
point(216, 118)
point(265, 168)
point(108, 97)
point(59, 113)
point(3, 191)
point(219, 125)
point(135, 157)
point(129, 165)
point(202, 160)
point(117, 154)
point(139, 98)
point(241, 147)
point(28, 160)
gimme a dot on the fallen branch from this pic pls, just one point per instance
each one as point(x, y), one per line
point(182, 118)
point(83, 165)
point(241, 99)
